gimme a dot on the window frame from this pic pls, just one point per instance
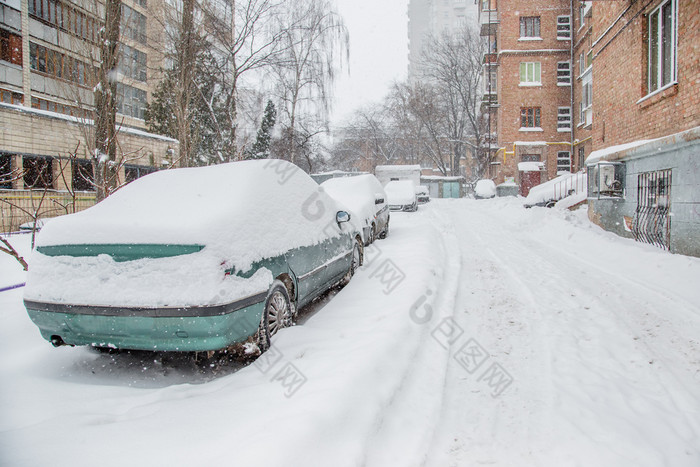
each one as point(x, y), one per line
point(563, 117)
point(530, 31)
point(657, 79)
point(564, 73)
point(530, 115)
point(536, 73)
point(564, 28)
point(560, 158)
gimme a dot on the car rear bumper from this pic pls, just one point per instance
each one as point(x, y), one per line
point(168, 329)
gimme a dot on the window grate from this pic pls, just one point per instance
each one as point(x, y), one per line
point(652, 222)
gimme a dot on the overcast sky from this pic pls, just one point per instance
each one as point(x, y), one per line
point(378, 53)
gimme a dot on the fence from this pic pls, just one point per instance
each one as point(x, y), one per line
point(18, 207)
point(574, 184)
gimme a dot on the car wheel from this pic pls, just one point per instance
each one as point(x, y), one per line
point(355, 263)
point(276, 315)
point(384, 232)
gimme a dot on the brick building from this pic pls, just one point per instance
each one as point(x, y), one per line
point(644, 171)
point(48, 57)
point(529, 59)
point(611, 87)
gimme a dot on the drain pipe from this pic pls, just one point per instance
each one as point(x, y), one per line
point(571, 77)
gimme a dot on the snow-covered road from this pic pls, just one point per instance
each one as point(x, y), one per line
point(477, 333)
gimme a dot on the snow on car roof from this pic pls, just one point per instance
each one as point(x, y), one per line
point(356, 193)
point(248, 209)
point(400, 192)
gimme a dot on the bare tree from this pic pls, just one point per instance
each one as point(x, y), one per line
point(106, 103)
point(312, 33)
point(452, 65)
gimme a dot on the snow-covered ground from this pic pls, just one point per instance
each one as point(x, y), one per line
point(477, 333)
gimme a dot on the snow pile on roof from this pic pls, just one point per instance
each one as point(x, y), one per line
point(246, 210)
point(557, 188)
point(530, 166)
point(485, 188)
point(400, 192)
point(397, 168)
point(596, 156)
point(357, 194)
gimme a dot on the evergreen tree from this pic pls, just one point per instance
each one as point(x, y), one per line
point(261, 147)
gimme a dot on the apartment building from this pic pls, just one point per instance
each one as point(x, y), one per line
point(433, 17)
point(644, 170)
point(528, 65)
point(611, 87)
point(49, 54)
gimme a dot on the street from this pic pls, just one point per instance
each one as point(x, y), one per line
point(477, 332)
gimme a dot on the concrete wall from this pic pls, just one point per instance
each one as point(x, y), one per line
point(681, 154)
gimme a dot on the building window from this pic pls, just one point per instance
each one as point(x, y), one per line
point(530, 158)
point(530, 74)
point(132, 172)
point(662, 46)
point(133, 24)
point(38, 172)
point(66, 17)
point(6, 174)
point(132, 101)
point(581, 157)
point(563, 28)
point(582, 10)
point(530, 117)
point(586, 104)
point(530, 26)
point(563, 162)
point(56, 64)
point(564, 119)
point(82, 175)
point(490, 81)
point(9, 97)
point(563, 73)
point(132, 63)
point(10, 47)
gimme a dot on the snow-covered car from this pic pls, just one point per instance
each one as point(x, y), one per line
point(193, 259)
point(422, 194)
point(401, 195)
point(365, 198)
point(485, 189)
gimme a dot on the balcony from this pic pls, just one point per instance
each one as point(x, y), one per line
point(488, 22)
point(489, 100)
point(490, 59)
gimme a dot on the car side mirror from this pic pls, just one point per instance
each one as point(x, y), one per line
point(342, 216)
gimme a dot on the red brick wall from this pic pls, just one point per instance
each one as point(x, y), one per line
point(620, 76)
point(548, 97)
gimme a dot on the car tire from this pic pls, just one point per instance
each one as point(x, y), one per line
point(385, 232)
point(355, 262)
point(276, 315)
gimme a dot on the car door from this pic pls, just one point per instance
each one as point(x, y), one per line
point(308, 264)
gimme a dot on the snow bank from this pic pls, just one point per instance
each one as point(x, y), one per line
point(557, 188)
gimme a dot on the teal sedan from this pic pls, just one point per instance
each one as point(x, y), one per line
point(195, 259)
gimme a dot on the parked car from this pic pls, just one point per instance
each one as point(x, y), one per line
point(484, 189)
point(193, 259)
point(365, 198)
point(422, 194)
point(401, 195)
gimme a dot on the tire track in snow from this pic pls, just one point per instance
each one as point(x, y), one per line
point(500, 312)
point(414, 408)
